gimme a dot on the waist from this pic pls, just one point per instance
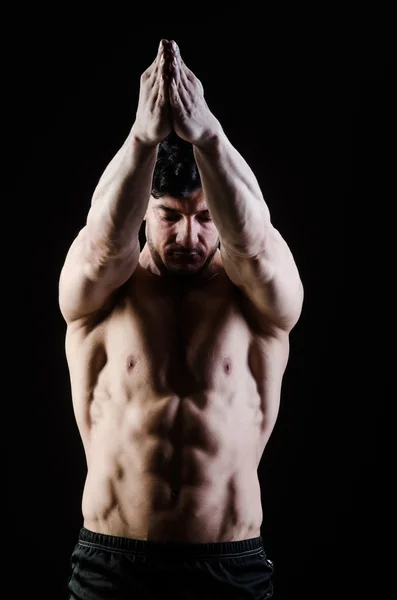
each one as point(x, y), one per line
point(170, 549)
point(148, 508)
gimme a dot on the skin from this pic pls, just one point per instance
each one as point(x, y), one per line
point(176, 365)
point(185, 228)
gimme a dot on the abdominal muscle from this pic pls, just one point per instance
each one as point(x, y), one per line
point(145, 485)
point(174, 407)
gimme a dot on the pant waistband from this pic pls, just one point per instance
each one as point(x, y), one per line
point(206, 550)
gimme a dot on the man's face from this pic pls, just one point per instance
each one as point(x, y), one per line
point(181, 235)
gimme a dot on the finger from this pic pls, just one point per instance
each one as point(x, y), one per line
point(157, 80)
point(154, 94)
point(172, 63)
point(162, 95)
point(161, 52)
point(173, 93)
point(175, 71)
point(179, 97)
point(185, 88)
point(185, 93)
point(181, 94)
point(174, 48)
point(167, 66)
point(163, 47)
point(184, 75)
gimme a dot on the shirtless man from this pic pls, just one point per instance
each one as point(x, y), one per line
point(176, 355)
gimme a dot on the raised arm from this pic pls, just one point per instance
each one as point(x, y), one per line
point(105, 253)
point(254, 254)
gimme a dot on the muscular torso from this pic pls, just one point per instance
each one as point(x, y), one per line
point(175, 396)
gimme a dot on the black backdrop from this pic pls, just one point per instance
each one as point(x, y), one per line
point(286, 100)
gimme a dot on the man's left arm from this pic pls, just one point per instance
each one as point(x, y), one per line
point(254, 254)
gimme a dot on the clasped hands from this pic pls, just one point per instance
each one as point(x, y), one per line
point(172, 98)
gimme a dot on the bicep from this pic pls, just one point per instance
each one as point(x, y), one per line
point(89, 278)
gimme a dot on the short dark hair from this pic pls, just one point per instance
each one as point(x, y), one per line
point(176, 173)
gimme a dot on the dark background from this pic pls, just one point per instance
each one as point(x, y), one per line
point(287, 98)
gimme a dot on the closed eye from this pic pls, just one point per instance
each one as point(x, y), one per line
point(206, 219)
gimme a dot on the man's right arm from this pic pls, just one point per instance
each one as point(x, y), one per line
point(106, 251)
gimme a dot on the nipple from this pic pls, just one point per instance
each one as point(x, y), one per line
point(131, 361)
point(227, 365)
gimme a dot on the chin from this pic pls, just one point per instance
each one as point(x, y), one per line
point(173, 268)
point(181, 269)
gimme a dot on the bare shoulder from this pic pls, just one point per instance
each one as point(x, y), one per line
point(88, 279)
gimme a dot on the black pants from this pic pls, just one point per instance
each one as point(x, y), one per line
point(106, 567)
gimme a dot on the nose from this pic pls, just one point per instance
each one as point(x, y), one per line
point(187, 235)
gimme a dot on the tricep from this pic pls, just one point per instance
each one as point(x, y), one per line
point(90, 275)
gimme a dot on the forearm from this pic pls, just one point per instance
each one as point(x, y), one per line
point(233, 195)
point(121, 197)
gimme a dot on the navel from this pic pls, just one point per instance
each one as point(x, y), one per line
point(119, 472)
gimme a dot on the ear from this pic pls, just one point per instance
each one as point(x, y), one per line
point(147, 208)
